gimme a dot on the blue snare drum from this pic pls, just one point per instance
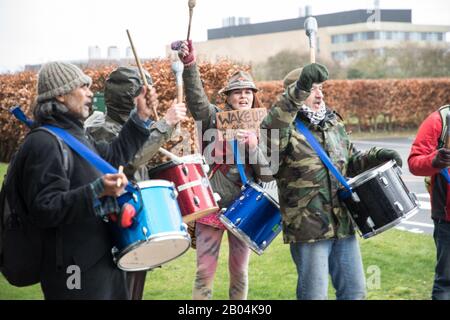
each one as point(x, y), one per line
point(254, 217)
point(157, 235)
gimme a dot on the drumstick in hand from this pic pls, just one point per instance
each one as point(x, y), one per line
point(119, 181)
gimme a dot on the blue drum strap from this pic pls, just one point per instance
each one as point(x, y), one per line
point(237, 159)
point(323, 157)
point(94, 159)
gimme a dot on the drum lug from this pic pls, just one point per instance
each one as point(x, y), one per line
point(398, 206)
point(259, 196)
point(384, 181)
point(370, 223)
point(355, 197)
point(144, 231)
point(238, 220)
point(185, 170)
point(196, 201)
point(217, 197)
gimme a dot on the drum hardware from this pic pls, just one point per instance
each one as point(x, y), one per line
point(256, 223)
point(217, 197)
point(398, 206)
point(259, 197)
point(383, 200)
point(145, 231)
point(384, 181)
point(195, 196)
point(158, 234)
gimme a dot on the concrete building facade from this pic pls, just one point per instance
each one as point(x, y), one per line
point(341, 36)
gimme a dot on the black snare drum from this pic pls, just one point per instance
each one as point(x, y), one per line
point(380, 199)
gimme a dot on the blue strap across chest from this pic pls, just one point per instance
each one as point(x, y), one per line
point(323, 156)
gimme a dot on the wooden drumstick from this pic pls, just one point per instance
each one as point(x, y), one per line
point(191, 4)
point(119, 181)
point(141, 71)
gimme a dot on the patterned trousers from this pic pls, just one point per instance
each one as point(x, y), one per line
point(208, 247)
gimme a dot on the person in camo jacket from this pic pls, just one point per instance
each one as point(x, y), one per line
point(240, 94)
point(316, 224)
point(122, 89)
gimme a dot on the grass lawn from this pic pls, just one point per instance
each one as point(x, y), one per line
point(3, 167)
point(405, 262)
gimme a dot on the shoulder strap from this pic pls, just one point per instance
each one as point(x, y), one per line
point(62, 146)
point(94, 159)
point(323, 156)
point(443, 111)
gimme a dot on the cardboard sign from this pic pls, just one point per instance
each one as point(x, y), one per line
point(229, 122)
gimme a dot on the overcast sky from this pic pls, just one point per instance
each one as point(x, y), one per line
point(37, 31)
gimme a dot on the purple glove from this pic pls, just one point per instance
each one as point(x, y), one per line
point(185, 50)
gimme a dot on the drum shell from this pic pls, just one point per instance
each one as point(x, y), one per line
point(195, 195)
point(384, 200)
point(157, 227)
point(254, 217)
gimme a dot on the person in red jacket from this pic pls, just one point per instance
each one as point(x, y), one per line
point(427, 158)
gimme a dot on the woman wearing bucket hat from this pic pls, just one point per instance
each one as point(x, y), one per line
point(240, 93)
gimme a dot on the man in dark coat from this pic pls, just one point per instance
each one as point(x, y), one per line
point(66, 196)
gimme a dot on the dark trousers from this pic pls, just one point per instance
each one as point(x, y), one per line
point(136, 283)
point(441, 287)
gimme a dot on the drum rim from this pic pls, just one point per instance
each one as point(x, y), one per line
point(391, 224)
point(241, 235)
point(189, 159)
point(258, 188)
point(155, 183)
point(370, 174)
point(180, 236)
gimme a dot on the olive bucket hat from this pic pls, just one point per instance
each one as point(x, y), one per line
point(239, 80)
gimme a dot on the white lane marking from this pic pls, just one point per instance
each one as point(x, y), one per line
point(425, 205)
point(423, 195)
point(392, 144)
point(419, 224)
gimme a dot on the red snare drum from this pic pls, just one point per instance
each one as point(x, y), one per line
point(195, 196)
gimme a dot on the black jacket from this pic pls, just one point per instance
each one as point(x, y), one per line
point(61, 203)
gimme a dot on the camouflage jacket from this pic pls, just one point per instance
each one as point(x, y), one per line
point(137, 170)
point(310, 208)
point(226, 185)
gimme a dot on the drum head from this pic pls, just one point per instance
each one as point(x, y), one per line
point(158, 250)
point(155, 183)
point(369, 174)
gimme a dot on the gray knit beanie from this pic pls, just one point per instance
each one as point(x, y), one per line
point(59, 78)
